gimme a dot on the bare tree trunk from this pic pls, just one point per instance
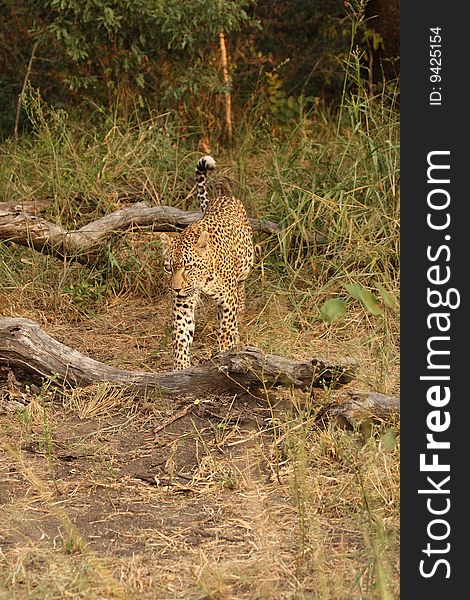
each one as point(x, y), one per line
point(27, 350)
point(383, 18)
point(228, 98)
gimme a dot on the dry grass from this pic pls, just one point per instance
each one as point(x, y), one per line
point(105, 496)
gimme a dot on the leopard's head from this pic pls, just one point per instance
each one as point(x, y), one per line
point(186, 261)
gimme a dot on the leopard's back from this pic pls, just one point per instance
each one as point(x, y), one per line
point(230, 232)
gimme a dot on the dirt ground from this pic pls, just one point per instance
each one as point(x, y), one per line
point(108, 496)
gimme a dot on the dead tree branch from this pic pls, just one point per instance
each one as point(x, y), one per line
point(84, 244)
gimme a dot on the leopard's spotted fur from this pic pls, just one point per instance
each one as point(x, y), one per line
point(213, 257)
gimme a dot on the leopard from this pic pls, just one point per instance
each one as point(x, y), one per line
point(212, 258)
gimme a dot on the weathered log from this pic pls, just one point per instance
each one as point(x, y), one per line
point(33, 207)
point(363, 408)
point(18, 225)
point(29, 351)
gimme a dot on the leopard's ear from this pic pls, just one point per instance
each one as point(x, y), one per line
point(166, 242)
point(202, 243)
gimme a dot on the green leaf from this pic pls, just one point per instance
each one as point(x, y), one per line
point(370, 303)
point(332, 309)
point(388, 298)
point(389, 439)
point(353, 290)
point(291, 102)
point(366, 298)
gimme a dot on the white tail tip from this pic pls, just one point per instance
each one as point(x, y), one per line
point(206, 163)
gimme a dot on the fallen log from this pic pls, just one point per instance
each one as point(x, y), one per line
point(34, 207)
point(84, 244)
point(30, 352)
point(363, 409)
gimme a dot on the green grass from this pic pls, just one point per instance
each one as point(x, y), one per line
point(336, 194)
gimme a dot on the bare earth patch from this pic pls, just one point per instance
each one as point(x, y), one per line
point(106, 496)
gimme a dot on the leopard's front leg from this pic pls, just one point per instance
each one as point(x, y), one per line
point(182, 330)
point(227, 320)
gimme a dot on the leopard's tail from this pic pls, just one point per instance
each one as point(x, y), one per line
point(204, 164)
